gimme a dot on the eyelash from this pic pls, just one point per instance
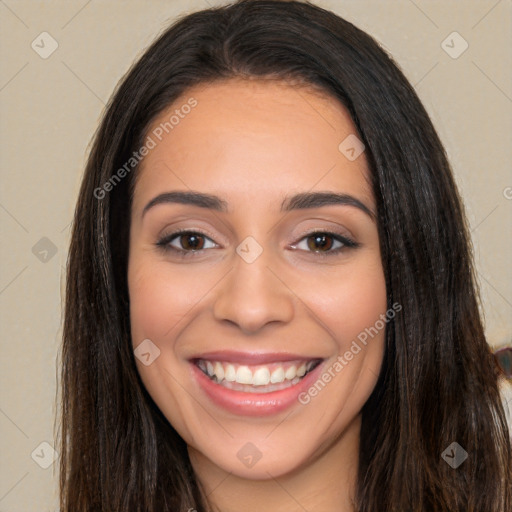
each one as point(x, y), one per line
point(164, 243)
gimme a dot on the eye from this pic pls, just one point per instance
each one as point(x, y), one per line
point(186, 242)
point(324, 243)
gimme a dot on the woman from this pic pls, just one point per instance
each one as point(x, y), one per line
point(270, 299)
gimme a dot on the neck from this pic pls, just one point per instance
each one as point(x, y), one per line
point(325, 484)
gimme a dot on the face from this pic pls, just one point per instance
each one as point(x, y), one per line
point(255, 275)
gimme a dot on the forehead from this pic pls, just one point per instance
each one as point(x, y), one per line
point(261, 138)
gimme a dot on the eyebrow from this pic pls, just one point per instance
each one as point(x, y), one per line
point(304, 200)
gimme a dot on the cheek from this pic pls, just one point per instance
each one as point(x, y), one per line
point(156, 310)
point(349, 302)
point(349, 306)
point(160, 298)
point(353, 310)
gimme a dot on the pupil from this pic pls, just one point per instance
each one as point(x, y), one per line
point(319, 241)
point(192, 242)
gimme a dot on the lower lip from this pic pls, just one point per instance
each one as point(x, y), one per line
point(253, 404)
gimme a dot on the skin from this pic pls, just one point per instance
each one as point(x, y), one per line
point(253, 143)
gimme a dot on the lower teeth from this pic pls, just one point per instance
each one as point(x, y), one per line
point(248, 388)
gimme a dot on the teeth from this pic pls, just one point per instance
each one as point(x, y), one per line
point(273, 374)
point(291, 373)
point(230, 373)
point(261, 377)
point(277, 376)
point(260, 389)
point(219, 371)
point(244, 375)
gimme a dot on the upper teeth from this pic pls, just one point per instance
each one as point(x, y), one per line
point(256, 375)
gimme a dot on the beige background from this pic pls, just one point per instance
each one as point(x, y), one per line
point(51, 107)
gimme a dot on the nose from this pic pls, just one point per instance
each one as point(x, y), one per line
point(252, 296)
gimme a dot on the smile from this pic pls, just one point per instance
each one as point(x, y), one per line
point(256, 378)
point(254, 384)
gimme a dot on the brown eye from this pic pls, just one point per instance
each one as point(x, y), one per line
point(324, 243)
point(320, 242)
point(191, 242)
point(186, 242)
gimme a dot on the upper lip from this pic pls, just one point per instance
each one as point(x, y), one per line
point(252, 358)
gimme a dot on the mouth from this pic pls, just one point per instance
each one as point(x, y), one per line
point(254, 384)
point(263, 378)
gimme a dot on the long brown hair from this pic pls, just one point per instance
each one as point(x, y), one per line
point(438, 382)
